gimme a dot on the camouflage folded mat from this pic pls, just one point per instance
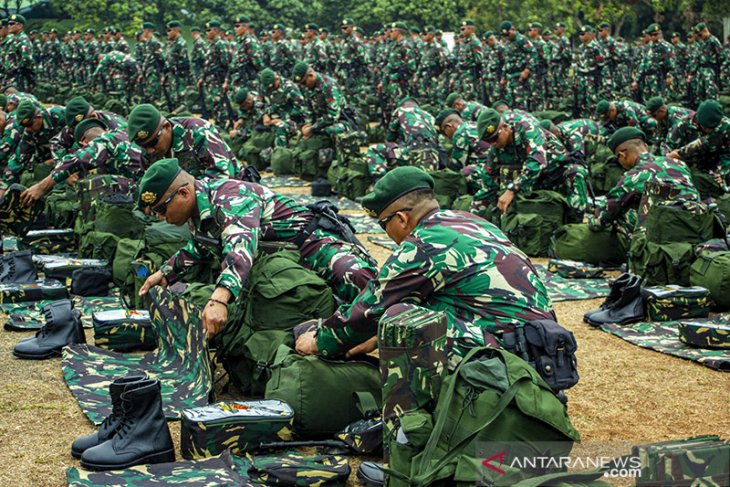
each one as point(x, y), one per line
point(365, 224)
point(563, 289)
point(180, 361)
point(663, 337)
point(384, 242)
point(28, 316)
point(284, 182)
point(341, 203)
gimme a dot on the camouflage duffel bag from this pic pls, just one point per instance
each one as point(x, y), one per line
point(124, 330)
point(711, 270)
point(704, 335)
point(321, 391)
point(660, 264)
point(578, 242)
point(115, 214)
point(669, 303)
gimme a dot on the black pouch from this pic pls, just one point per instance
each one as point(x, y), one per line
point(250, 174)
point(93, 281)
point(18, 267)
point(548, 348)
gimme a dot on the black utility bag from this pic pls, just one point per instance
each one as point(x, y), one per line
point(92, 281)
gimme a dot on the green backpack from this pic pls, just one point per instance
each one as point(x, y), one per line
point(660, 264)
point(576, 241)
point(62, 205)
point(98, 245)
point(126, 252)
point(682, 222)
point(532, 219)
point(254, 145)
point(282, 161)
point(705, 184)
point(350, 179)
point(448, 186)
point(114, 213)
point(711, 270)
point(308, 163)
point(493, 396)
point(605, 175)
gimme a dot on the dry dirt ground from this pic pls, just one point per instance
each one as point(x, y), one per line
point(626, 395)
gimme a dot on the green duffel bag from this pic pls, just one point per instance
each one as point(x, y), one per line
point(605, 175)
point(529, 232)
point(705, 184)
point(254, 145)
point(711, 271)
point(125, 253)
point(681, 222)
point(551, 205)
point(164, 239)
point(321, 391)
point(723, 206)
point(62, 205)
point(282, 161)
point(351, 179)
point(660, 264)
point(114, 213)
point(576, 241)
point(98, 245)
point(493, 399)
point(448, 186)
point(307, 156)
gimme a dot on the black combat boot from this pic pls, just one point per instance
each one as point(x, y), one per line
point(109, 426)
point(371, 474)
point(17, 267)
point(629, 308)
point(63, 327)
point(616, 287)
point(142, 436)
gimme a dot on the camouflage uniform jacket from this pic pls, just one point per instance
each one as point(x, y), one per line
point(197, 56)
point(675, 116)
point(471, 55)
point(286, 103)
point(37, 143)
point(64, 140)
point(472, 110)
point(315, 54)
point(659, 61)
point(116, 61)
point(682, 131)
point(200, 149)
point(610, 50)
point(110, 153)
point(467, 148)
point(352, 59)
point(649, 175)
point(716, 142)
point(494, 61)
point(325, 102)
point(247, 61)
point(534, 150)
point(562, 54)
point(401, 64)
point(153, 61)
point(121, 45)
point(412, 127)
point(432, 62)
point(19, 54)
point(177, 61)
point(452, 262)
point(520, 54)
point(217, 60)
point(281, 57)
point(574, 134)
point(10, 137)
point(235, 215)
point(591, 60)
point(709, 53)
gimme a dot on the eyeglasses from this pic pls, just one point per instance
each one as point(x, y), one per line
point(12, 23)
point(153, 141)
point(161, 209)
point(495, 135)
point(384, 222)
point(655, 34)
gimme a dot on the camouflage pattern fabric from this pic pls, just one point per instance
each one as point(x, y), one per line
point(384, 242)
point(9, 244)
point(668, 303)
point(28, 316)
point(663, 338)
point(341, 203)
point(15, 218)
point(704, 335)
point(221, 470)
point(294, 468)
point(180, 362)
point(571, 269)
point(365, 224)
point(284, 182)
point(34, 291)
point(47, 242)
point(123, 330)
point(563, 289)
point(238, 425)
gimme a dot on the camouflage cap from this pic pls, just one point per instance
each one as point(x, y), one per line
point(443, 115)
point(602, 108)
point(394, 185)
point(653, 28)
point(148, 25)
point(347, 21)
point(26, 112)
point(622, 135)
point(143, 122)
point(156, 180)
point(85, 125)
point(451, 99)
point(299, 72)
point(240, 96)
point(172, 24)
point(76, 110)
point(17, 18)
point(505, 27)
point(267, 78)
point(654, 104)
point(700, 27)
point(488, 123)
point(709, 114)
point(242, 20)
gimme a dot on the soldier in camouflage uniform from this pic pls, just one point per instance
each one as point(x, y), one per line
point(246, 62)
point(212, 81)
point(539, 79)
point(193, 141)
point(91, 53)
point(99, 149)
point(469, 80)
point(709, 51)
point(469, 110)
point(580, 136)
point(52, 55)
point(250, 114)
point(19, 55)
point(653, 178)
point(177, 65)
point(398, 72)
point(431, 68)
point(197, 53)
point(682, 54)
point(589, 70)
point(315, 51)
point(352, 61)
point(117, 73)
point(611, 82)
point(285, 108)
point(152, 63)
point(281, 56)
point(235, 216)
point(520, 61)
point(411, 141)
point(657, 67)
point(667, 119)
point(626, 113)
point(119, 43)
point(493, 67)
point(533, 159)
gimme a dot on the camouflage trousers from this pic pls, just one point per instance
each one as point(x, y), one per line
point(493, 89)
point(517, 92)
point(588, 88)
point(345, 267)
point(624, 224)
point(284, 130)
point(151, 86)
point(467, 85)
point(386, 156)
point(653, 85)
point(705, 84)
point(214, 101)
point(175, 86)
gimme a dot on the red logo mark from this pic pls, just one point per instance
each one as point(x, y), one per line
point(499, 456)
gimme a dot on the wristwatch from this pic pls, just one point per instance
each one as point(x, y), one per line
point(512, 187)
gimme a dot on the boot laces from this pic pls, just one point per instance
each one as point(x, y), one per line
point(126, 421)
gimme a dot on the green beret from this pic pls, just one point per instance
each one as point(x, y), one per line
point(240, 96)
point(654, 104)
point(324, 30)
point(415, 29)
point(85, 125)
point(488, 34)
point(536, 25)
point(443, 115)
point(156, 180)
point(439, 32)
point(311, 26)
point(700, 27)
point(546, 124)
point(278, 26)
point(267, 78)
point(488, 123)
point(709, 114)
point(3, 101)
point(212, 24)
point(429, 28)
point(348, 21)
point(400, 25)
point(403, 101)
point(242, 20)
point(26, 112)
point(602, 108)
point(586, 28)
point(504, 27)
point(172, 24)
point(603, 25)
point(467, 22)
point(251, 25)
point(299, 71)
point(622, 135)
point(653, 28)
point(559, 24)
point(76, 110)
point(148, 25)
point(499, 103)
point(90, 31)
point(394, 185)
point(619, 39)
point(142, 122)
point(17, 18)
point(451, 99)
point(195, 29)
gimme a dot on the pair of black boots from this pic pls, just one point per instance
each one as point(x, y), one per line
point(623, 305)
point(63, 327)
point(135, 433)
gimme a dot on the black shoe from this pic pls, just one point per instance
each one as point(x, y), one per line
point(371, 473)
point(17, 267)
point(142, 436)
point(629, 308)
point(63, 327)
point(111, 422)
point(616, 287)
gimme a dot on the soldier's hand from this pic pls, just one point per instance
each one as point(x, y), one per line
point(524, 74)
point(634, 86)
point(224, 88)
point(505, 200)
point(156, 279)
point(199, 84)
point(307, 130)
point(717, 177)
point(215, 315)
point(233, 133)
point(72, 179)
point(307, 343)
point(674, 155)
point(503, 82)
point(31, 195)
point(266, 119)
point(365, 347)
